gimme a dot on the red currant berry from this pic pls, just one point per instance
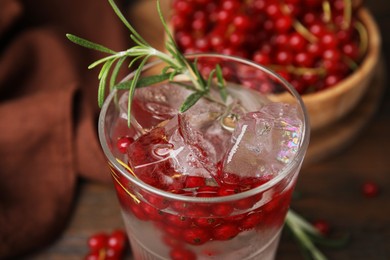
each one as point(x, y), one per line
point(246, 203)
point(261, 58)
point(318, 29)
point(97, 242)
point(123, 142)
point(297, 42)
point(178, 221)
point(351, 50)
point(173, 231)
point(370, 189)
point(180, 253)
point(273, 10)
point(112, 254)
point(117, 240)
point(285, 74)
point(283, 58)
point(199, 25)
point(303, 59)
point(222, 209)
point(225, 231)
point(332, 79)
point(280, 40)
point(183, 7)
point(251, 221)
point(231, 5)
point(196, 235)
point(237, 38)
point(207, 222)
point(194, 182)
point(152, 212)
point(329, 40)
point(242, 22)
point(332, 54)
point(283, 24)
point(322, 226)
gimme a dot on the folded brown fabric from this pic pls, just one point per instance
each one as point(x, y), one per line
point(48, 113)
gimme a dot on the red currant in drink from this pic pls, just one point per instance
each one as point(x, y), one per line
point(215, 181)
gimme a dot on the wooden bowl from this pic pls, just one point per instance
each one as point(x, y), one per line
point(324, 107)
point(330, 105)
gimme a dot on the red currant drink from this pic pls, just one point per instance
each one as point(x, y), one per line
point(214, 182)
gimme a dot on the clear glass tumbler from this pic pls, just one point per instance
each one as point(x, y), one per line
point(236, 212)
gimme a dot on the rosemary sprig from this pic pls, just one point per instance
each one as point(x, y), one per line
point(308, 236)
point(142, 52)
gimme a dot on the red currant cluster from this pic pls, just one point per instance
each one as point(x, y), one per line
point(186, 224)
point(104, 246)
point(314, 44)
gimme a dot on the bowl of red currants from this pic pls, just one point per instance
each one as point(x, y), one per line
point(327, 49)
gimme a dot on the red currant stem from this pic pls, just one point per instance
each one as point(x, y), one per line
point(285, 9)
point(363, 34)
point(113, 173)
point(300, 28)
point(347, 14)
point(102, 254)
point(327, 11)
point(126, 167)
point(350, 63)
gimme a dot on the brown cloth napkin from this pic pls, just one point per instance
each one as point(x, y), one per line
point(48, 113)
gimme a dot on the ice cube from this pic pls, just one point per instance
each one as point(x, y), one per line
point(154, 104)
point(200, 132)
point(263, 142)
point(249, 99)
point(165, 155)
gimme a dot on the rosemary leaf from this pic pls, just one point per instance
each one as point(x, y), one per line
point(88, 44)
point(132, 88)
point(115, 71)
point(166, 28)
point(185, 85)
point(333, 242)
point(125, 22)
point(103, 81)
point(221, 83)
point(191, 100)
point(210, 79)
point(143, 82)
point(101, 61)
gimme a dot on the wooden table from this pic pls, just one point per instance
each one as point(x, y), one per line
point(330, 189)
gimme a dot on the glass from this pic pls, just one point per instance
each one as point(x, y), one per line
point(199, 223)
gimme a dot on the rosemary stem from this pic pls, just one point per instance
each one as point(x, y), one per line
point(298, 226)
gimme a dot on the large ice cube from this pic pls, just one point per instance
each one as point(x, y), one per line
point(189, 144)
point(152, 105)
point(263, 142)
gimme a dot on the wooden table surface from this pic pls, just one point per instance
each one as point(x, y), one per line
point(330, 189)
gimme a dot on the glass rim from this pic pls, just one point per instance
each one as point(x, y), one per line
point(303, 144)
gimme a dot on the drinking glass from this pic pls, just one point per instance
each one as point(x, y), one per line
point(180, 223)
